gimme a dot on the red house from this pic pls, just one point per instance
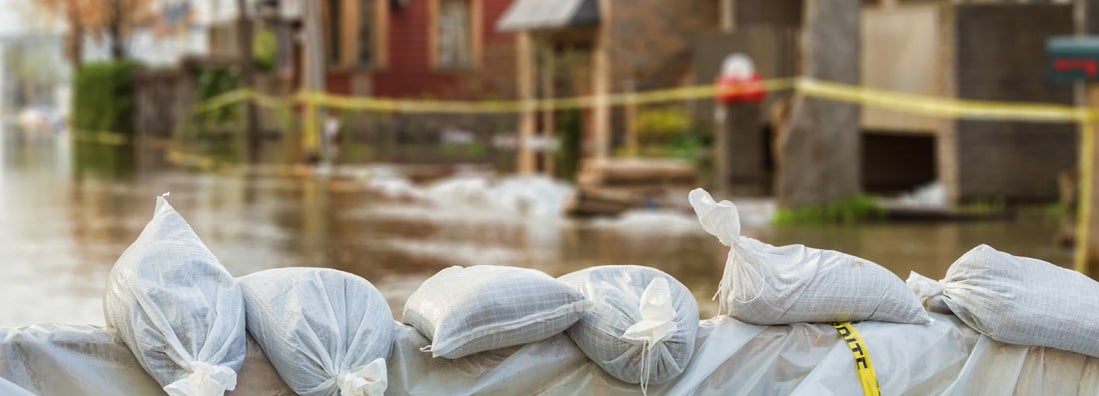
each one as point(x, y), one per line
point(438, 49)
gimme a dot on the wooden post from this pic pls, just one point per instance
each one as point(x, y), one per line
point(601, 84)
point(728, 15)
point(244, 38)
point(1087, 217)
point(630, 111)
point(549, 125)
point(525, 73)
point(739, 166)
point(313, 76)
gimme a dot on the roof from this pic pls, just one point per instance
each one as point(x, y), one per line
point(549, 14)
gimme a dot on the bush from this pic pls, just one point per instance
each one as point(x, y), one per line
point(214, 81)
point(265, 48)
point(103, 97)
point(569, 131)
point(847, 211)
point(659, 125)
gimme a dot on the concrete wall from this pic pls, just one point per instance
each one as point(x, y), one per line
point(999, 55)
point(901, 54)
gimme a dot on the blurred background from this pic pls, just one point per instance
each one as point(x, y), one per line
point(394, 138)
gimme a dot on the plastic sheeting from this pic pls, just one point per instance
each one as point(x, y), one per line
point(731, 358)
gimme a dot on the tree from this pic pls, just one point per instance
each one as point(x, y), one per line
point(818, 148)
point(112, 19)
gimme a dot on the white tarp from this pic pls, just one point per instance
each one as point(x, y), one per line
point(732, 358)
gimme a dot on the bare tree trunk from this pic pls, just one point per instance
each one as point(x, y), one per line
point(819, 152)
point(114, 30)
point(75, 45)
point(247, 80)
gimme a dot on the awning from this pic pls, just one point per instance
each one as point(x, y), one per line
point(549, 14)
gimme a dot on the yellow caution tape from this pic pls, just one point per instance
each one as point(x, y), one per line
point(910, 103)
point(102, 137)
point(865, 368)
point(943, 107)
point(951, 108)
point(327, 100)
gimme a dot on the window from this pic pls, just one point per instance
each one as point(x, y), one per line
point(454, 34)
point(335, 27)
point(367, 27)
point(355, 31)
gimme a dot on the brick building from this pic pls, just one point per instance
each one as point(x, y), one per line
point(442, 49)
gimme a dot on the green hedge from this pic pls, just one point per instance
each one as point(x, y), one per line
point(212, 82)
point(103, 97)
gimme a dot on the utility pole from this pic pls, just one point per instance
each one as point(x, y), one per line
point(247, 79)
point(1076, 60)
point(313, 76)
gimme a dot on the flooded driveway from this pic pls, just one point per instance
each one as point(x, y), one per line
point(63, 222)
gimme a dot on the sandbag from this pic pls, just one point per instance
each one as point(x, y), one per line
point(177, 308)
point(326, 332)
point(9, 389)
point(474, 309)
point(768, 285)
point(642, 323)
point(1017, 300)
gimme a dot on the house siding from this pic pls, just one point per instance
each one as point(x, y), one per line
point(999, 57)
point(409, 73)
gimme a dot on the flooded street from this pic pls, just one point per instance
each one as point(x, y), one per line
point(63, 222)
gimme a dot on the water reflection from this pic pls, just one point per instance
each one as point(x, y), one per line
point(70, 210)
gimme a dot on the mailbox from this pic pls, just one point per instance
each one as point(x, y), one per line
point(1073, 59)
point(739, 81)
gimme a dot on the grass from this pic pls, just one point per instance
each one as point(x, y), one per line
point(859, 208)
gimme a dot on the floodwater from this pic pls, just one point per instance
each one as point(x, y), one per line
point(65, 217)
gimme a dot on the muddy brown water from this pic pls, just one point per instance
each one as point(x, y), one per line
point(65, 218)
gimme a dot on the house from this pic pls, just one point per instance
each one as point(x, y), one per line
point(440, 49)
point(597, 47)
point(990, 50)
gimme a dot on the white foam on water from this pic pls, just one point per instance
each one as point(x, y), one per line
point(651, 222)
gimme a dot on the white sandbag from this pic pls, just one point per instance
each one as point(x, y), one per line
point(468, 310)
point(177, 308)
point(326, 332)
point(642, 323)
point(9, 389)
point(768, 285)
point(1017, 300)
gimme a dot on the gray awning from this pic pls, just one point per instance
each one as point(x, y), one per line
point(549, 14)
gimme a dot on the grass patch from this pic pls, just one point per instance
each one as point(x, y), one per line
point(856, 209)
point(986, 206)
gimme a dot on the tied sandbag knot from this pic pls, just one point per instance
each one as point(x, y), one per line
point(370, 380)
point(657, 323)
point(929, 291)
point(204, 380)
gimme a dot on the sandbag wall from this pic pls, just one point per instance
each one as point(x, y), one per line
point(181, 325)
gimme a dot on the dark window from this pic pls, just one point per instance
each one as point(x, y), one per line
point(367, 23)
point(334, 28)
